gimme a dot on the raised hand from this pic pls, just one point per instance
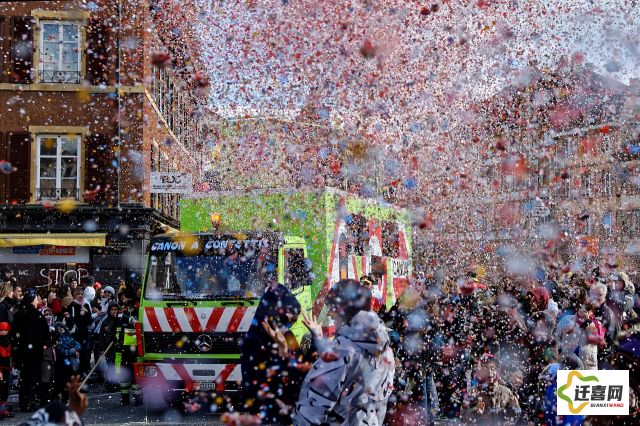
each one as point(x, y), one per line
point(278, 337)
point(312, 324)
point(78, 401)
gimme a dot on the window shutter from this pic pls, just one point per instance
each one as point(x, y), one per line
point(99, 171)
point(19, 181)
point(4, 149)
point(21, 49)
point(96, 53)
point(5, 48)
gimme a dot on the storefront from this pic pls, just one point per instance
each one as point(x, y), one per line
point(45, 260)
point(49, 248)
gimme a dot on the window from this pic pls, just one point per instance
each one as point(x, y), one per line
point(60, 52)
point(390, 239)
point(633, 222)
point(57, 167)
point(607, 184)
point(570, 148)
point(607, 223)
point(585, 187)
point(588, 226)
point(359, 236)
point(296, 271)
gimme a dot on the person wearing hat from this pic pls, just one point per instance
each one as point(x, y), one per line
point(108, 296)
point(352, 380)
point(31, 334)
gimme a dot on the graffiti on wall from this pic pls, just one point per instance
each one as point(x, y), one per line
point(59, 276)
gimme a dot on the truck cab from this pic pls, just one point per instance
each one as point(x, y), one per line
point(199, 297)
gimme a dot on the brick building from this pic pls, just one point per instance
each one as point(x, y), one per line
point(95, 96)
point(553, 159)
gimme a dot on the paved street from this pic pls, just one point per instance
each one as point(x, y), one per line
point(105, 409)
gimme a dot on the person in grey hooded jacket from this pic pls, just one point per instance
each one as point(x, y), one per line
point(351, 381)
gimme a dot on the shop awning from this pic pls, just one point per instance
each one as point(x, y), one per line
point(66, 240)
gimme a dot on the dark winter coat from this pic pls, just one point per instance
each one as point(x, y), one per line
point(31, 333)
point(108, 329)
point(77, 323)
point(410, 337)
point(6, 310)
point(265, 375)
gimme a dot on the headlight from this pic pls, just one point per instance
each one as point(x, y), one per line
point(150, 371)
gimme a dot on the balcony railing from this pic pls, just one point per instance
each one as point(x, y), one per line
point(54, 76)
point(44, 194)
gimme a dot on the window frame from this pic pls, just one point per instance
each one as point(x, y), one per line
point(608, 230)
point(607, 183)
point(58, 157)
point(40, 55)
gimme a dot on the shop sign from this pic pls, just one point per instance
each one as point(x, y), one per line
point(170, 183)
point(400, 267)
point(44, 254)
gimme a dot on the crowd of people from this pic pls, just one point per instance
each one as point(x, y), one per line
point(49, 335)
point(466, 350)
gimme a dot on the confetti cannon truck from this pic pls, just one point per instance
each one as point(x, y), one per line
point(202, 285)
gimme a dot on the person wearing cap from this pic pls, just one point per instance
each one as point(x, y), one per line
point(108, 296)
point(352, 380)
point(31, 334)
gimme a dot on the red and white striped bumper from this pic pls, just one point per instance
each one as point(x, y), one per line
point(187, 376)
point(198, 320)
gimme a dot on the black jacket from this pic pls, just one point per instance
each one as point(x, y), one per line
point(265, 375)
point(76, 322)
point(31, 333)
point(6, 312)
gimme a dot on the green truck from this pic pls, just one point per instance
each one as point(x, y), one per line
point(202, 285)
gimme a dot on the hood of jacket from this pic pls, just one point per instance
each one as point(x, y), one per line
point(539, 299)
point(367, 331)
point(89, 294)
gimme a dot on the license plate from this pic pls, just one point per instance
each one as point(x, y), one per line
point(205, 386)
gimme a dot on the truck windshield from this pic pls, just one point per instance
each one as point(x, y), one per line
point(175, 275)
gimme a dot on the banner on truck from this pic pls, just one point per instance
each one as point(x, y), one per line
point(170, 183)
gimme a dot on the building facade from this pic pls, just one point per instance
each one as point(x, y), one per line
point(95, 96)
point(551, 177)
